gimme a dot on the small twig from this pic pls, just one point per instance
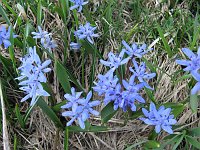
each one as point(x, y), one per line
point(5, 130)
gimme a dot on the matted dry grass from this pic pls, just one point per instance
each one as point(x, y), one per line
point(43, 135)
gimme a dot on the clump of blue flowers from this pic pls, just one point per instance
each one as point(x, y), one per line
point(45, 39)
point(81, 108)
point(32, 75)
point(121, 92)
point(5, 36)
point(161, 118)
point(78, 4)
point(193, 66)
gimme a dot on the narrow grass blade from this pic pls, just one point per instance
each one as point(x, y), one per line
point(19, 116)
point(15, 143)
point(66, 139)
point(39, 13)
point(9, 8)
point(7, 65)
point(195, 32)
point(4, 15)
point(65, 6)
point(28, 112)
point(166, 45)
point(11, 49)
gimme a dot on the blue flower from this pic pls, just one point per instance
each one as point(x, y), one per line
point(114, 61)
point(135, 50)
point(81, 108)
point(40, 34)
point(124, 98)
point(78, 4)
point(193, 66)
point(72, 99)
point(141, 74)
point(160, 118)
point(75, 46)
point(131, 95)
point(32, 75)
point(5, 36)
point(46, 41)
point(86, 32)
point(106, 83)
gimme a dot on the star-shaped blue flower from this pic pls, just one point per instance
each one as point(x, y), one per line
point(81, 108)
point(78, 4)
point(45, 39)
point(141, 73)
point(135, 50)
point(161, 118)
point(193, 66)
point(86, 32)
point(106, 83)
point(114, 61)
point(5, 36)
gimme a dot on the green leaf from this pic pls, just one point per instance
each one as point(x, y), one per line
point(4, 15)
point(193, 141)
point(194, 132)
point(9, 8)
point(152, 144)
point(63, 77)
point(11, 49)
point(7, 64)
point(196, 31)
point(149, 94)
point(49, 112)
point(178, 142)
point(107, 113)
point(187, 76)
point(90, 48)
point(15, 143)
point(170, 141)
point(30, 109)
point(57, 107)
point(166, 45)
point(19, 116)
point(194, 102)
point(65, 6)
point(88, 128)
point(66, 139)
point(39, 13)
point(134, 145)
point(177, 108)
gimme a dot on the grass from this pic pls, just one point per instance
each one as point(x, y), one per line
point(165, 25)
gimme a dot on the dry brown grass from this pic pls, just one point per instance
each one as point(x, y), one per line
point(42, 134)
